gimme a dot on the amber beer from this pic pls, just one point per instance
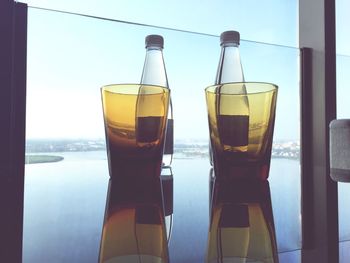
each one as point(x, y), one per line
point(135, 124)
point(241, 128)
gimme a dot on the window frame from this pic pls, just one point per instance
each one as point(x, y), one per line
point(13, 49)
point(318, 102)
point(318, 97)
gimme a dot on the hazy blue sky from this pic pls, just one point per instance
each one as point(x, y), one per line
point(272, 21)
point(71, 57)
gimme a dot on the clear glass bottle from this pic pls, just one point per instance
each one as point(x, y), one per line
point(230, 70)
point(230, 66)
point(154, 73)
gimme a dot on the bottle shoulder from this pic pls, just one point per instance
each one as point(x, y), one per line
point(230, 66)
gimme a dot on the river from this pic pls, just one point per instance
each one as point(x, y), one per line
point(65, 202)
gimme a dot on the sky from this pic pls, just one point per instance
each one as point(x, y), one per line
point(70, 57)
point(273, 21)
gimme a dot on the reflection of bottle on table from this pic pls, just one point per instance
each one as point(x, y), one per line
point(134, 227)
point(241, 225)
point(168, 192)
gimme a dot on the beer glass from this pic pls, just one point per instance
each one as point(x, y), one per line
point(241, 128)
point(135, 124)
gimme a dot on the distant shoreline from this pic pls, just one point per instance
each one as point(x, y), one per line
point(33, 159)
point(182, 150)
point(47, 158)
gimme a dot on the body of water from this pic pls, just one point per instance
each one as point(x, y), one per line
point(65, 203)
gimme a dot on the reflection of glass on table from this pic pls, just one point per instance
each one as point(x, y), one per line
point(134, 227)
point(241, 223)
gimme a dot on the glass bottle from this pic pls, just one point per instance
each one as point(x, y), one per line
point(230, 67)
point(154, 73)
point(230, 70)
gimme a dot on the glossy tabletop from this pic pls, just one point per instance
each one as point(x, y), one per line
point(66, 202)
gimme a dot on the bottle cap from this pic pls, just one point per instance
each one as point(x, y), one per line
point(154, 41)
point(229, 37)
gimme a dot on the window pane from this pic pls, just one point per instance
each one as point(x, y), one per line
point(343, 112)
point(69, 58)
point(342, 29)
point(271, 21)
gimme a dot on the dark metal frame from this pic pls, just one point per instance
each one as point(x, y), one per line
point(318, 108)
point(13, 55)
point(306, 142)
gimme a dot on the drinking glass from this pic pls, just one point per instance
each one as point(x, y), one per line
point(135, 123)
point(241, 128)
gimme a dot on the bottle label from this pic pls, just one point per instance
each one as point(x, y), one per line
point(234, 215)
point(169, 138)
point(233, 129)
point(148, 129)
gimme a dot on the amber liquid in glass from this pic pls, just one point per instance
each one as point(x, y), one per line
point(142, 159)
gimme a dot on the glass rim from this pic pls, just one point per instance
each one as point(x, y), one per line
point(273, 87)
point(122, 88)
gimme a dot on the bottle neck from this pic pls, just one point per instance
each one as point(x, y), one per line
point(154, 72)
point(230, 67)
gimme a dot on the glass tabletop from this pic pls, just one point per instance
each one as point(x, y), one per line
point(66, 203)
